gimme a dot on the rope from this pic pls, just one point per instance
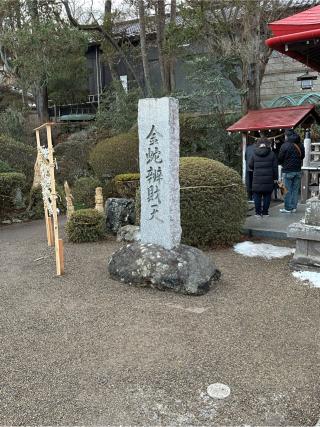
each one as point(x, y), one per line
point(270, 137)
point(208, 186)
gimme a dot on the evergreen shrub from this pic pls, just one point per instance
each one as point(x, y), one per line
point(5, 167)
point(116, 155)
point(19, 156)
point(10, 183)
point(213, 203)
point(73, 155)
point(126, 184)
point(35, 208)
point(84, 192)
point(86, 225)
point(204, 135)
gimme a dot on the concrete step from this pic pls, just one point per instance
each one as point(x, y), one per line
point(273, 227)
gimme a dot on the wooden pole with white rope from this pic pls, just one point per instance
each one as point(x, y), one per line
point(58, 245)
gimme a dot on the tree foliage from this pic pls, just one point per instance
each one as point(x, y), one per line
point(234, 33)
point(39, 49)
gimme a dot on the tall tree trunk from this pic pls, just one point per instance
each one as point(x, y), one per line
point(143, 46)
point(41, 91)
point(173, 16)
point(42, 103)
point(163, 59)
point(107, 7)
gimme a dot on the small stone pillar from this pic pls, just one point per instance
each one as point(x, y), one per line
point(307, 148)
point(69, 199)
point(99, 200)
point(307, 235)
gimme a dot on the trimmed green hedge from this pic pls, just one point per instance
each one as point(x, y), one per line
point(20, 157)
point(213, 203)
point(86, 225)
point(127, 184)
point(116, 155)
point(84, 192)
point(73, 155)
point(10, 184)
point(5, 167)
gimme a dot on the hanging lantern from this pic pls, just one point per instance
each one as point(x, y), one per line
point(306, 81)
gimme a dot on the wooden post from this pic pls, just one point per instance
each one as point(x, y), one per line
point(61, 255)
point(54, 204)
point(244, 146)
point(49, 227)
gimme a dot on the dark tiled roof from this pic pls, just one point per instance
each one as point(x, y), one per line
point(132, 28)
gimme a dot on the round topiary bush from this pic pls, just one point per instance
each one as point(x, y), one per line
point(117, 155)
point(127, 184)
point(86, 225)
point(84, 191)
point(213, 202)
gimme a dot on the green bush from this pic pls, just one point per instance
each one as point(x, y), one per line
point(19, 156)
point(86, 225)
point(73, 155)
point(109, 189)
point(213, 203)
point(12, 124)
point(12, 185)
point(127, 184)
point(35, 208)
point(5, 167)
point(84, 191)
point(118, 110)
point(205, 136)
point(116, 155)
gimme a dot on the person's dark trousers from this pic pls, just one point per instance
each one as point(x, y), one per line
point(249, 179)
point(262, 202)
point(292, 181)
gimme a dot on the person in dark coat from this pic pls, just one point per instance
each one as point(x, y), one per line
point(249, 172)
point(290, 157)
point(265, 172)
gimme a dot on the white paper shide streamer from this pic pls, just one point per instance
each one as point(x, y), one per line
point(45, 179)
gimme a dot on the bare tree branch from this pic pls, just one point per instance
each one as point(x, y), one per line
point(98, 28)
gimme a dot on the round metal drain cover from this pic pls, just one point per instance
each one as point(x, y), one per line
point(218, 391)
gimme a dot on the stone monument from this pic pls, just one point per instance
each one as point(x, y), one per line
point(307, 235)
point(159, 171)
point(159, 260)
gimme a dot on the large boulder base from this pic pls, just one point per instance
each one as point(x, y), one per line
point(184, 269)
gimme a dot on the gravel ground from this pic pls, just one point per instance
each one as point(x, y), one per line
point(86, 350)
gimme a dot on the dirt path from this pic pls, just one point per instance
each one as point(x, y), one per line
point(83, 349)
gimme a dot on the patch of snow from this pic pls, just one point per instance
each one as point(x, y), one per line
point(218, 391)
point(308, 276)
point(263, 250)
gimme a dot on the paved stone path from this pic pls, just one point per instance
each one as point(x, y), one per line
point(275, 226)
point(85, 350)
